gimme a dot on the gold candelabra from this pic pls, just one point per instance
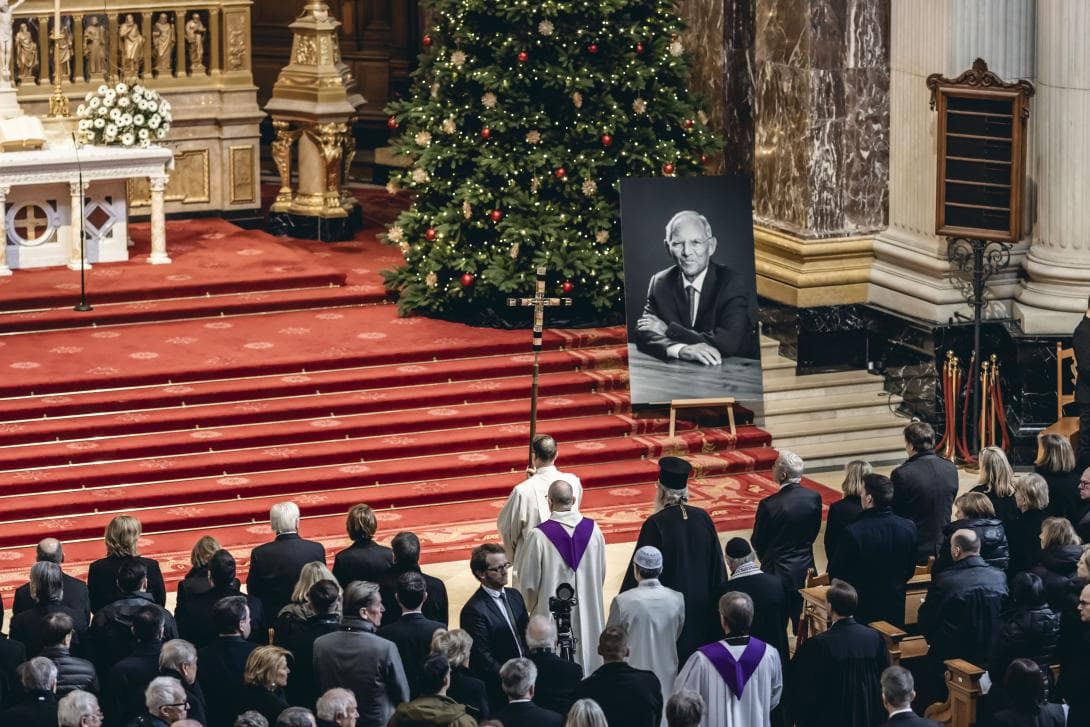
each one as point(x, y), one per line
point(59, 106)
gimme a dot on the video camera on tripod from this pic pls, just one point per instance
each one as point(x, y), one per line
point(560, 606)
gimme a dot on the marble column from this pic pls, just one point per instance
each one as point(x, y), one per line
point(911, 274)
point(1052, 297)
point(77, 249)
point(158, 256)
point(821, 114)
point(4, 269)
point(739, 28)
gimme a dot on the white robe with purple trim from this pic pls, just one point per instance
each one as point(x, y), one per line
point(542, 569)
point(527, 506)
point(721, 707)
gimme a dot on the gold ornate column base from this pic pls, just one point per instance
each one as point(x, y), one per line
point(806, 272)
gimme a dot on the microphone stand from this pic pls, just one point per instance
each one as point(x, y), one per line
point(83, 306)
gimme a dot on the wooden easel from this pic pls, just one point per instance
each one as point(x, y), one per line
point(727, 401)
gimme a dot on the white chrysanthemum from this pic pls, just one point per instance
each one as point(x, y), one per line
point(160, 133)
point(81, 110)
point(121, 88)
point(590, 187)
point(533, 136)
point(111, 130)
point(100, 111)
point(420, 175)
point(155, 121)
point(676, 48)
point(128, 139)
point(124, 102)
point(85, 124)
point(100, 123)
point(143, 134)
point(103, 90)
point(139, 119)
point(449, 126)
point(545, 27)
point(488, 100)
point(137, 90)
point(639, 106)
point(94, 103)
point(577, 99)
point(395, 234)
point(423, 138)
point(145, 143)
point(125, 120)
point(108, 101)
point(458, 58)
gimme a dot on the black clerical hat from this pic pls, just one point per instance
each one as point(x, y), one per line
point(738, 548)
point(674, 473)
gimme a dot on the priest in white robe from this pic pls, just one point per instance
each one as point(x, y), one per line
point(567, 548)
point(528, 504)
point(652, 615)
point(739, 677)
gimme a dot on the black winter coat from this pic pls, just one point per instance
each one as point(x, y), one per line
point(1026, 633)
point(1074, 657)
point(924, 488)
point(1063, 493)
point(1024, 538)
point(877, 555)
point(72, 672)
point(962, 610)
point(1005, 507)
point(784, 530)
point(1057, 569)
point(842, 513)
point(994, 548)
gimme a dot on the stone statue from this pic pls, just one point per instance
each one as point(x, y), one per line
point(194, 41)
point(6, 11)
point(162, 38)
point(26, 54)
point(64, 52)
point(94, 48)
point(132, 47)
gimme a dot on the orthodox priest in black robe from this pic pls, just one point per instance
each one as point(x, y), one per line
point(692, 561)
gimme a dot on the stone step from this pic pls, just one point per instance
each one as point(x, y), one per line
point(811, 408)
point(889, 449)
point(845, 427)
point(776, 390)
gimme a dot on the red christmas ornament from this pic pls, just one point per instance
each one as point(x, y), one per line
point(567, 286)
point(486, 133)
point(561, 172)
point(667, 168)
point(391, 122)
point(426, 40)
point(687, 123)
point(523, 56)
point(640, 49)
point(467, 279)
point(495, 215)
point(592, 48)
point(429, 234)
point(606, 139)
point(703, 158)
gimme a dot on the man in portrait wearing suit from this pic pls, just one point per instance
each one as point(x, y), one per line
point(696, 310)
point(495, 616)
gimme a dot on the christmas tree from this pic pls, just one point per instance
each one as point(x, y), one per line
point(523, 119)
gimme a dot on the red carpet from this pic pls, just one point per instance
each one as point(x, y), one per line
point(254, 369)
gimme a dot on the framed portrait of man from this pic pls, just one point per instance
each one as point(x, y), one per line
point(690, 290)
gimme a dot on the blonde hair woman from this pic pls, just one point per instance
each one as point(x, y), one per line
point(844, 511)
point(997, 482)
point(264, 680)
point(464, 687)
point(196, 581)
point(1031, 496)
point(586, 713)
point(122, 537)
point(1056, 463)
point(1058, 564)
point(296, 613)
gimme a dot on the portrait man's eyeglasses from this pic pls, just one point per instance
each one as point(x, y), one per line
point(682, 244)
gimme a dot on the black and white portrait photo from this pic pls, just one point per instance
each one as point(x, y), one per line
point(690, 289)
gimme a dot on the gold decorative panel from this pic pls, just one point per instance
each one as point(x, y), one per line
point(189, 182)
point(242, 175)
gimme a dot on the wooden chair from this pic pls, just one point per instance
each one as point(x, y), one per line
point(813, 579)
point(963, 686)
point(1067, 426)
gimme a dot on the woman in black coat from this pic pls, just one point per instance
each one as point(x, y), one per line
point(121, 537)
point(1029, 630)
point(264, 680)
point(997, 483)
point(196, 581)
point(1024, 535)
point(1024, 685)
point(465, 689)
point(843, 512)
point(1056, 463)
point(1061, 550)
point(973, 510)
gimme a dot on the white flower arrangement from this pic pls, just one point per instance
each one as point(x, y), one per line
point(123, 115)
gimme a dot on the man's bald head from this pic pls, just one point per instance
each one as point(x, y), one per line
point(561, 496)
point(541, 632)
point(963, 543)
point(50, 551)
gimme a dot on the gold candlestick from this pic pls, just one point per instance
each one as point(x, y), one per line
point(59, 105)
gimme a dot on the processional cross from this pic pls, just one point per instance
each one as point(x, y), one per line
point(539, 303)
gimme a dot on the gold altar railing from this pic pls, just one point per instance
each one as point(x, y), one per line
point(183, 46)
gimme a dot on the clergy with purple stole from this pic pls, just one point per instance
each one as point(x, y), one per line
point(566, 548)
point(740, 677)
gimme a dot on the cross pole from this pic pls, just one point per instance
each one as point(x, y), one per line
point(539, 303)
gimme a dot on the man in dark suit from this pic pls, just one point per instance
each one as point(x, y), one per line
point(324, 598)
point(556, 678)
point(518, 677)
point(123, 687)
point(877, 555)
point(47, 588)
point(223, 662)
point(898, 691)
point(364, 560)
point(275, 566)
point(784, 530)
point(696, 310)
point(406, 550)
point(1080, 341)
point(924, 488)
point(111, 630)
point(178, 659)
point(835, 675)
point(75, 594)
point(496, 618)
point(37, 706)
point(627, 696)
point(12, 654)
point(413, 631)
point(196, 625)
point(765, 590)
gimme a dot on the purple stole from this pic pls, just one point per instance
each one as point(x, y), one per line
point(735, 673)
point(571, 547)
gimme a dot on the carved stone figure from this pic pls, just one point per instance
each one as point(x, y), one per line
point(64, 52)
point(94, 48)
point(6, 11)
point(194, 42)
point(26, 54)
point(132, 47)
point(162, 38)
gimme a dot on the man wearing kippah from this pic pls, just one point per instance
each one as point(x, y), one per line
point(692, 560)
point(653, 616)
point(766, 590)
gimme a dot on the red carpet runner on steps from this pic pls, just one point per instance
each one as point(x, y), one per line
point(255, 369)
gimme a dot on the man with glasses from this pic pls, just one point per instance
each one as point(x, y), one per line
point(166, 703)
point(1074, 657)
point(696, 310)
point(495, 616)
point(1082, 519)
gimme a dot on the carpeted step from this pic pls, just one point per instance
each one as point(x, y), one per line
point(184, 308)
point(285, 409)
point(432, 422)
point(483, 373)
point(329, 491)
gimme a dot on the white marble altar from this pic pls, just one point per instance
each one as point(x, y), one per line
point(41, 199)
